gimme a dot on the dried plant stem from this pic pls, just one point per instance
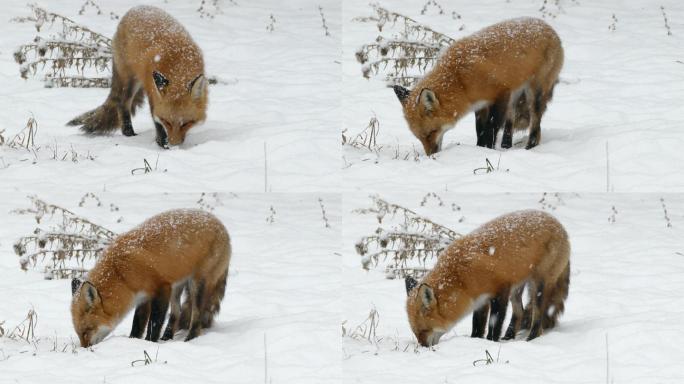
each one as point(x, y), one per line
point(75, 239)
point(404, 57)
point(415, 240)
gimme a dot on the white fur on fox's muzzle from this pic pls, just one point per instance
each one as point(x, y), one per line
point(102, 332)
point(434, 337)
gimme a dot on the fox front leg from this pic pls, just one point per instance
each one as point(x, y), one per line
point(480, 321)
point(162, 138)
point(142, 315)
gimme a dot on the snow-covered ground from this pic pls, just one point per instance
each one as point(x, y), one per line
point(618, 87)
point(274, 124)
point(283, 90)
point(625, 286)
point(283, 289)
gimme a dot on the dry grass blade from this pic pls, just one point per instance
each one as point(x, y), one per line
point(368, 138)
point(64, 249)
point(367, 330)
point(26, 330)
point(26, 137)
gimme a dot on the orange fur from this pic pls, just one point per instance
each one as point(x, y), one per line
point(163, 252)
point(498, 256)
point(148, 41)
point(483, 69)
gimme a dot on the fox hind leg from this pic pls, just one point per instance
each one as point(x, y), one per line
point(174, 313)
point(196, 296)
point(518, 313)
point(538, 304)
point(540, 99)
point(507, 139)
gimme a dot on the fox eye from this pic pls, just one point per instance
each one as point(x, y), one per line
point(187, 125)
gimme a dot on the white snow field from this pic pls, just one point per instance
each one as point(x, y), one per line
point(618, 87)
point(282, 90)
point(625, 285)
point(282, 290)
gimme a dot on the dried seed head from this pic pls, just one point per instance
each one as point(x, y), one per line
point(361, 248)
point(19, 249)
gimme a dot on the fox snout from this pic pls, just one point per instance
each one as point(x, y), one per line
point(431, 147)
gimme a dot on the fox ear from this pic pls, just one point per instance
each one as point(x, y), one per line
point(198, 87)
point(429, 100)
point(160, 80)
point(427, 297)
point(75, 285)
point(401, 92)
point(410, 284)
point(92, 297)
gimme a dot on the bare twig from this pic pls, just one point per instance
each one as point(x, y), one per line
point(667, 25)
point(325, 218)
point(667, 218)
point(325, 26)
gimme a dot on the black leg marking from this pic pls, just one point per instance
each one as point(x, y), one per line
point(162, 139)
point(492, 122)
point(160, 305)
point(142, 314)
point(497, 115)
point(497, 316)
point(480, 321)
point(481, 117)
point(169, 331)
point(127, 127)
point(507, 140)
point(510, 332)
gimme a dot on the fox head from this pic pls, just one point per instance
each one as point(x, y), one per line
point(178, 105)
point(425, 116)
point(423, 313)
point(91, 322)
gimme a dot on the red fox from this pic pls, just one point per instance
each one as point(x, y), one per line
point(153, 56)
point(523, 247)
point(151, 264)
point(486, 72)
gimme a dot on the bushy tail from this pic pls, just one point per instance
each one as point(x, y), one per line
point(556, 302)
point(557, 299)
point(212, 308)
point(214, 305)
point(102, 119)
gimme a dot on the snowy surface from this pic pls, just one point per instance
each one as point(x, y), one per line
point(283, 286)
point(268, 98)
point(625, 285)
point(620, 88)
